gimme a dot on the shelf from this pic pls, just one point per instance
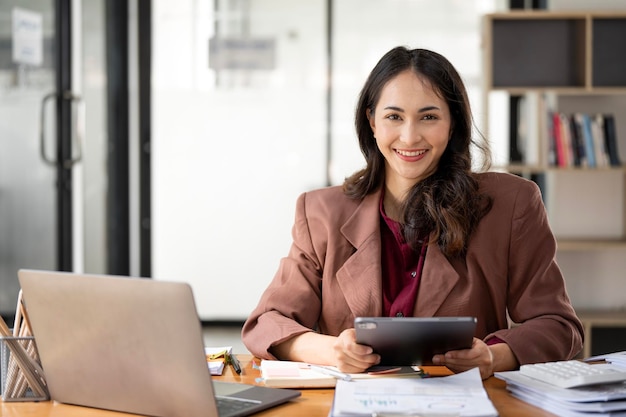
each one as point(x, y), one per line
point(546, 50)
point(572, 245)
point(555, 43)
point(609, 67)
point(561, 91)
point(540, 169)
point(603, 317)
point(570, 63)
point(595, 319)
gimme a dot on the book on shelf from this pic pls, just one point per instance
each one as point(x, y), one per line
point(578, 143)
point(582, 140)
point(582, 126)
point(516, 130)
point(597, 132)
point(568, 143)
point(523, 128)
point(559, 142)
point(610, 138)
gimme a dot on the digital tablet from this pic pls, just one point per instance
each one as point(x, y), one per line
point(414, 340)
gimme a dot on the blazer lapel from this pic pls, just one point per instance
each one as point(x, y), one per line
point(360, 277)
point(437, 281)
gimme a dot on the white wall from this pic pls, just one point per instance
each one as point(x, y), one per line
point(233, 150)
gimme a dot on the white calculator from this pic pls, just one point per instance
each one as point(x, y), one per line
point(570, 374)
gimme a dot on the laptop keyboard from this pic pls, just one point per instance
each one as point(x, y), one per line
point(229, 405)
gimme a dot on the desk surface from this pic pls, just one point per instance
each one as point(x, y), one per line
point(312, 403)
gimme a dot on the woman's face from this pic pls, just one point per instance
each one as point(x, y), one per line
point(412, 125)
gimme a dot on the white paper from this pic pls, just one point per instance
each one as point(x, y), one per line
point(27, 37)
point(456, 395)
point(581, 394)
point(616, 358)
point(217, 367)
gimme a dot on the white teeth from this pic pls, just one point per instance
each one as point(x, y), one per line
point(407, 153)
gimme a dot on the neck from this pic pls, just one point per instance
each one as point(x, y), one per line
point(393, 205)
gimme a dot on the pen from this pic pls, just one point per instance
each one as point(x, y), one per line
point(235, 363)
point(332, 372)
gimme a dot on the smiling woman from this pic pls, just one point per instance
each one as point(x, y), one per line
point(418, 233)
point(411, 124)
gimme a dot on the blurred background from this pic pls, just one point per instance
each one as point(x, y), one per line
point(171, 139)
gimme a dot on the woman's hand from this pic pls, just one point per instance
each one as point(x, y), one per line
point(488, 359)
point(351, 357)
point(342, 351)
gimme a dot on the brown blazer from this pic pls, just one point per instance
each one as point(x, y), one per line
point(332, 274)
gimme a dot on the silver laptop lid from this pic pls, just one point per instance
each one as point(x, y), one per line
point(119, 343)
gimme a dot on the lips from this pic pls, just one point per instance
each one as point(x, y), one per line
point(410, 153)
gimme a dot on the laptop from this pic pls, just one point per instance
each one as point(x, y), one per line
point(129, 344)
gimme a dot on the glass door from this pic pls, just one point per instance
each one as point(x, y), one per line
point(28, 210)
point(52, 139)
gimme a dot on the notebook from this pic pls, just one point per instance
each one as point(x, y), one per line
point(129, 344)
point(289, 374)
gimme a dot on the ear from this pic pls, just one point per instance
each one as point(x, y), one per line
point(370, 118)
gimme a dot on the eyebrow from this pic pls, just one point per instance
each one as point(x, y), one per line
point(423, 109)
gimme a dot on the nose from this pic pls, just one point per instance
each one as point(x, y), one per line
point(411, 133)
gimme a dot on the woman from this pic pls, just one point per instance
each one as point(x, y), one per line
point(417, 233)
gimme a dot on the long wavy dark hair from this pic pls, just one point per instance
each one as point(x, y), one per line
point(447, 205)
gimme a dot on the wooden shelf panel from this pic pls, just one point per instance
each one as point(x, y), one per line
point(603, 317)
point(562, 91)
point(589, 244)
point(540, 169)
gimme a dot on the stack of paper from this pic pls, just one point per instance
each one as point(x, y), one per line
point(616, 358)
point(287, 374)
point(217, 358)
point(458, 395)
point(588, 401)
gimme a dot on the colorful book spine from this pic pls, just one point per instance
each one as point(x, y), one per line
point(597, 131)
point(561, 152)
point(585, 122)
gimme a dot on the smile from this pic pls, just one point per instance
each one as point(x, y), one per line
point(410, 153)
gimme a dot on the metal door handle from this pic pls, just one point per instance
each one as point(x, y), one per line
point(79, 129)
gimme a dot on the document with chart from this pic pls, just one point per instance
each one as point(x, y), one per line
point(461, 395)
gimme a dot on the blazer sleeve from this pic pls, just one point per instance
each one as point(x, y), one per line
point(292, 302)
point(545, 327)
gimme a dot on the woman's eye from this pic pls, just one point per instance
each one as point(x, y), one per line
point(430, 117)
point(393, 117)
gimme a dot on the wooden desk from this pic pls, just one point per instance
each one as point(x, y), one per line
point(312, 403)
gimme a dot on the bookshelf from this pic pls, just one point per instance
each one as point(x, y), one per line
point(539, 62)
point(571, 63)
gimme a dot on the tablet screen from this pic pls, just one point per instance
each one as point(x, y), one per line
point(414, 340)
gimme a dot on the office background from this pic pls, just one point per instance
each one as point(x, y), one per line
point(248, 142)
point(230, 148)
